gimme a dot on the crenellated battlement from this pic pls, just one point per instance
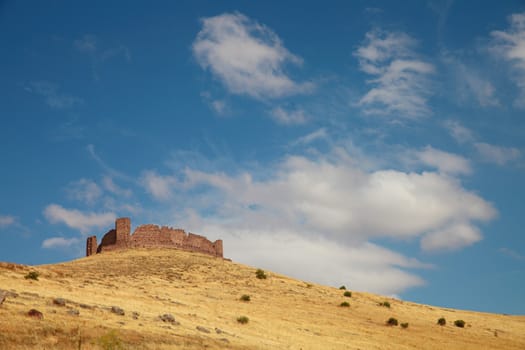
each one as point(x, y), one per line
point(151, 236)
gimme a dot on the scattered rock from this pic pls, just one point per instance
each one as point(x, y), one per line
point(117, 310)
point(36, 314)
point(73, 312)
point(3, 295)
point(218, 330)
point(224, 340)
point(59, 301)
point(84, 306)
point(203, 329)
point(169, 318)
point(135, 315)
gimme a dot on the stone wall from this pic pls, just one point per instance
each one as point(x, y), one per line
point(91, 245)
point(152, 236)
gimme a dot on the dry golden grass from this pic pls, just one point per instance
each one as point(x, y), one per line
point(202, 291)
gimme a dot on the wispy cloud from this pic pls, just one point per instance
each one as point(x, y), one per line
point(460, 133)
point(512, 253)
point(510, 45)
point(59, 242)
point(82, 221)
point(90, 44)
point(486, 152)
point(289, 117)
point(400, 83)
point(6, 220)
point(51, 94)
point(85, 191)
point(159, 187)
point(445, 162)
point(496, 154)
point(246, 56)
point(319, 134)
point(106, 167)
point(470, 84)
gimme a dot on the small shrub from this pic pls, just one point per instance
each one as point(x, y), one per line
point(245, 297)
point(260, 274)
point(442, 321)
point(344, 304)
point(392, 321)
point(385, 304)
point(342, 288)
point(33, 275)
point(243, 319)
point(459, 323)
point(347, 294)
point(404, 325)
point(110, 341)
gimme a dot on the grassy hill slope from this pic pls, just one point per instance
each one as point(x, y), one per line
point(203, 295)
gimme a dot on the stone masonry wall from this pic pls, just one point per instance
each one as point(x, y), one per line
point(91, 245)
point(153, 236)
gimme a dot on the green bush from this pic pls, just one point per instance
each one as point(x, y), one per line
point(404, 325)
point(342, 287)
point(392, 321)
point(243, 319)
point(459, 323)
point(442, 321)
point(33, 275)
point(385, 304)
point(245, 297)
point(344, 304)
point(260, 274)
point(347, 294)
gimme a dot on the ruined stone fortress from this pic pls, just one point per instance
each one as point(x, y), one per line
point(151, 236)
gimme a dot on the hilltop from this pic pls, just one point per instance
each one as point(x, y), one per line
point(203, 293)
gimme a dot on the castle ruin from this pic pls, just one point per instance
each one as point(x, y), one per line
point(151, 236)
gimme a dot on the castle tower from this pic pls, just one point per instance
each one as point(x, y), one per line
point(123, 230)
point(91, 245)
point(218, 248)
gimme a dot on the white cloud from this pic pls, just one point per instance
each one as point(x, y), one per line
point(289, 117)
point(6, 220)
point(160, 187)
point(445, 162)
point(470, 84)
point(112, 187)
point(496, 154)
point(314, 218)
point(84, 222)
point(319, 134)
point(85, 191)
point(459, 132)
point(88, 43)
point(59, 242)
point(247, 57)
point(510, 45)
point(453, 237)
point(53, 97)
point(400, 83)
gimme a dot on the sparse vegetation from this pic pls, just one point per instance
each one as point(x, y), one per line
point(442, 321)
point(32, 275)
point(344, 304)
point(385, 304)
point(260, 274)
point(392, 321)
point(110, 341)
point(243, 319)
point(404, 325)
point(342, 288)
point(347, 294)
point(245, 297)
point(459, 323)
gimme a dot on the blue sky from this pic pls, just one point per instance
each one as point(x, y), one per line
point(374, 144)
